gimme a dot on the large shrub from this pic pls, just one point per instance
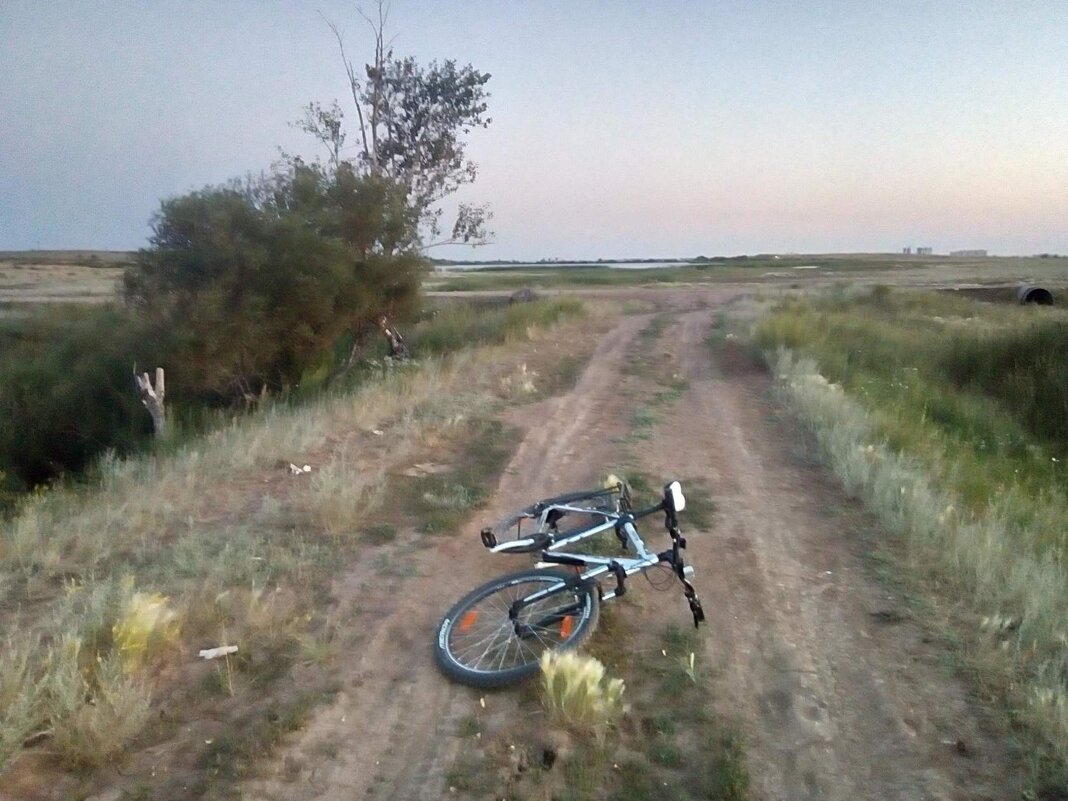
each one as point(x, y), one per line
point(255, 285)
point(66, 392)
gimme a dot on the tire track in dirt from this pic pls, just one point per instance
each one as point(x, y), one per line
point(390, 733)
point(833, 703)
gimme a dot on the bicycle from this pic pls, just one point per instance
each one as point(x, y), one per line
point(495, 635)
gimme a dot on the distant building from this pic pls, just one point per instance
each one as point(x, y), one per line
point(924, 251)
point(969, 253)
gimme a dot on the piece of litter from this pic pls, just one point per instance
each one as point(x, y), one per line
point(377, 432)
point(482, 702)
point(215, 653)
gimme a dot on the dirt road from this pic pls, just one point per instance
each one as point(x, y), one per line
point(835, 687)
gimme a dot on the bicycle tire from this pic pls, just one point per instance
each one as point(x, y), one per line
point(455, 648)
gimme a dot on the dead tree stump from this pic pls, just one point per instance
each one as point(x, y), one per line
point(152, 398)
point(397, 349)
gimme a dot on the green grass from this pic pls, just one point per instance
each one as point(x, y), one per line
point(945, 376)
point(948, 417)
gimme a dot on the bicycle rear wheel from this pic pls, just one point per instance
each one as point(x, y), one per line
point(479, 645)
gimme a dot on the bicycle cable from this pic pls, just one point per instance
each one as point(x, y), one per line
point(665, 580)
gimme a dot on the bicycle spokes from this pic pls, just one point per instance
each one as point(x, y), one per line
point(467, 621)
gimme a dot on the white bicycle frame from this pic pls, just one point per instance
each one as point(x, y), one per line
point(599, 566)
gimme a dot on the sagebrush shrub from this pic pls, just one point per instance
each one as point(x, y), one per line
point(578, 694)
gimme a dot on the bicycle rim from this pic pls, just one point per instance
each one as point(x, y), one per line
point(481, 639)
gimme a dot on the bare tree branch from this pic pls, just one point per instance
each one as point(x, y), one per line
point(354, 84)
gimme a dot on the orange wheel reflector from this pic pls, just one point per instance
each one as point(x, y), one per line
point(467, 621)
point(565, 626)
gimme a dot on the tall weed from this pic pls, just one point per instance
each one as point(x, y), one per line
point(977, 555)
point(578, 694)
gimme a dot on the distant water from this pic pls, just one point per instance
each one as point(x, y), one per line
point(615, 265)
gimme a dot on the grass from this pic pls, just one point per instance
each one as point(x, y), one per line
point(577, 693)
point(108, 586)
point(945, 416)
point(453, 325)
point(764, 268)
point(667, 744)
point(438, 502)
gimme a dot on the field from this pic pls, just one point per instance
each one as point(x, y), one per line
point(57, 277)
point(773, 271)
point(876, 522)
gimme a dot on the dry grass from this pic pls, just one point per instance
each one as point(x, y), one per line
point(94, 709)
point(577, 693)
point(211, 543)
point(29, 283)
point(1022, 596)
point(19, 692)
point(666, 744)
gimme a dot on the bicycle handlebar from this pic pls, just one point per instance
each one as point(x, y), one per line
point(656, 507)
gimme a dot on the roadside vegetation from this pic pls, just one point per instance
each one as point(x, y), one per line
point(619, 724)
point(109, 587)
point(950, 418)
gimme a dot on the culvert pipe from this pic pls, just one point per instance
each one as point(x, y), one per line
point(1028, 293)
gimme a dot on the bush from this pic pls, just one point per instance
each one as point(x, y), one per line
point(577, 693)
point(66, 393)
point(1023, 368)
point(94, 711)
point(253, 296)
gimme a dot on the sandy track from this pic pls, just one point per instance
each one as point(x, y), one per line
point(391, 731)
point(837, 692)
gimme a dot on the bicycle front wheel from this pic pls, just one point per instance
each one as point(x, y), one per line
point(480, 645)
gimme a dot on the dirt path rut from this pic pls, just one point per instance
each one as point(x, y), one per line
point(837, 692)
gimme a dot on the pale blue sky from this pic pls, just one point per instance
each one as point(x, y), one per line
point(639, 129)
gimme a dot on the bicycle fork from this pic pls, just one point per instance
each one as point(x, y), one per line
point(673, 556)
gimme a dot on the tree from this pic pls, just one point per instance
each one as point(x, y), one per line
point(252, 286)
point(412, 124)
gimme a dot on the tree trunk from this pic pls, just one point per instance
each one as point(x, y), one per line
point(397, 349)
point(152, 398)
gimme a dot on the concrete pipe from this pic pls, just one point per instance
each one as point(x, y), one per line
point(1026, 293)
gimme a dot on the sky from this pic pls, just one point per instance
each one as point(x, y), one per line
point(668, 128)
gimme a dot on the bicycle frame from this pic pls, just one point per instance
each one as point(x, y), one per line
point(599, 567)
